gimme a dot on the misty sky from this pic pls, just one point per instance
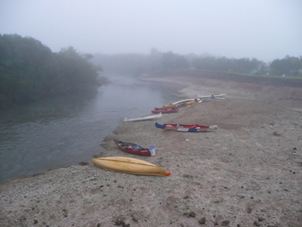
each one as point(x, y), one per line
point(264, 29)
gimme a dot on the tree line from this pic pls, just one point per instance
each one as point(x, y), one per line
point(29, 70)
point(136, 64)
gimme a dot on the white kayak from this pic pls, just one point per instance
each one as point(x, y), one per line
point(211, 96)
point(143, 118)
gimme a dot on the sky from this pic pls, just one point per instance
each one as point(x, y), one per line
point(262, 29)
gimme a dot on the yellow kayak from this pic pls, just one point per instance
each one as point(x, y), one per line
point(180, 104)
point(129, 165)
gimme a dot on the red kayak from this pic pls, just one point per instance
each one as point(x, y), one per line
point(165, 111)
point(186, 128)
point(134, 148)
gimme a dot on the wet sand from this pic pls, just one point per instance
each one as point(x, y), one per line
point(246, 173)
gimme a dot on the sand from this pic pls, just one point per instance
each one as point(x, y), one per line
point(246, 173)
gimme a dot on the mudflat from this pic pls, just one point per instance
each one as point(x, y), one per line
point(246, 173)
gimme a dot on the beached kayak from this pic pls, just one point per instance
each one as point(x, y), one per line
point(185, 100)
point(211, 96)
point(143, 118)
point(129, 165)
point(134, 148)
point(186, 128)
point(174, 106)
point(165, 111)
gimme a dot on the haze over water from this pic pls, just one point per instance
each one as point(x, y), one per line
point(64, 131)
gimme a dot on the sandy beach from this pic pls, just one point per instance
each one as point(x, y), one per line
point(246, 173)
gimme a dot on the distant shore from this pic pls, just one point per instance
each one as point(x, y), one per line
point(247, 173)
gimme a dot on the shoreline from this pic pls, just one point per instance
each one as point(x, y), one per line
point(247, 173)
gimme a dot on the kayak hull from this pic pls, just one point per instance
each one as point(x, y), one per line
point(165, 111)
point(186, 128)
point(129, 165)
point(133, 148)
point(174, 106)
point(148, 117)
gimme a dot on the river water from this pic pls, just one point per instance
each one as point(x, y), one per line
point(64, 131)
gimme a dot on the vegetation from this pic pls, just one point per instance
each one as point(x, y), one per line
point(136, 64)
point(242, 65)
point(288, 66)
point(30, 71)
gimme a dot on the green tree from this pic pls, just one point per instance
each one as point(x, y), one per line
point(174, 61)
point(291, 66)
point(29, 70)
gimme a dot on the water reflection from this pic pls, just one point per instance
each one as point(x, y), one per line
point(63, 131)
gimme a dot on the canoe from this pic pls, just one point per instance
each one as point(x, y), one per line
point(211, 96)
point(171, 106)
point(134, 148)
point(147, 117)
point(186, 128)
point(181, 104)
point(129, 165)
point(184, 100)
point(165, 111)
point(174, 106)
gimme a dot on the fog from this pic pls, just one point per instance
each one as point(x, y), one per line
point(265, 30)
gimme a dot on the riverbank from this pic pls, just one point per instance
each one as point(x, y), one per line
point(247, 173)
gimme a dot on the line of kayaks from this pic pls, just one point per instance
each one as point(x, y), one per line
point(165, 109)
point(136, 166)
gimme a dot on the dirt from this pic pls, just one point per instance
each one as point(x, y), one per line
point(246, 173)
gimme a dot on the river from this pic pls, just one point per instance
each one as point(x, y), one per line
point(63, 131)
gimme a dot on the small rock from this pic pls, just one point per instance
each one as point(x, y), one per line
point(256, 223)
point(83, 163)
point(225, 223)
point(192, 214)
point(134, 219)
point(261, 219)
point(249, 210)
point(202, 221)
point(119, 222)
